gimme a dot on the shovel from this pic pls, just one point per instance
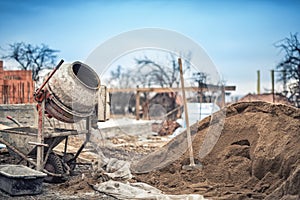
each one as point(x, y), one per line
point(192, 164)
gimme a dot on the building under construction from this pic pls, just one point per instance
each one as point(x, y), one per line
point(16, 86)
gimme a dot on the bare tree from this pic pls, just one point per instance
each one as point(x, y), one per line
point(157, 72)
point(30, 57)
point(148, 72)
point(120, 78)
point(290, 65)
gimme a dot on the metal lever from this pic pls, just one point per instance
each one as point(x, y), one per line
point(37, 93)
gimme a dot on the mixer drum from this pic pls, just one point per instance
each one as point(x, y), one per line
point(73, 90)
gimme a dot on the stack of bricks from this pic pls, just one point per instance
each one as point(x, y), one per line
point(16, 86)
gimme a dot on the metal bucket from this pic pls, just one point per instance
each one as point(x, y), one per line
point(73, 90)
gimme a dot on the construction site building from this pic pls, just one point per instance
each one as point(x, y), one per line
point(16, 86)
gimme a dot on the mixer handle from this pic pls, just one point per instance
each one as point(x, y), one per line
point(48, 78)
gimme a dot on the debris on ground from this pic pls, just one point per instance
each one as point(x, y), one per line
point(256, 155)
point(168, 127)
point(112, 168)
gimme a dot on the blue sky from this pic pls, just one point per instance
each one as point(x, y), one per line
point(238, 36)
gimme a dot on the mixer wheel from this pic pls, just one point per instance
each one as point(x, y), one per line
point(54, 165)
point(67, 159)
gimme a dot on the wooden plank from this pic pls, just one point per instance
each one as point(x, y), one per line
point(161, 90)
point(137, 105)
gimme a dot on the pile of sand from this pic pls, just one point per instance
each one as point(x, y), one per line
point(256, 156)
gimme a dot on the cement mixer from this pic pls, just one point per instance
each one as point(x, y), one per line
point(68, 94)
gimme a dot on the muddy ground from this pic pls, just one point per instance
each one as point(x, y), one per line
point(246, 151)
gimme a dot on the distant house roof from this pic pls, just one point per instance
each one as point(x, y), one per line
point(278, 98)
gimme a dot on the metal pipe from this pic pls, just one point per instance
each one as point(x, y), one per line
point(49, 77)
point(14, 120)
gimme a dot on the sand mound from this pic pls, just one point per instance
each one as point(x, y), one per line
point(256, 155)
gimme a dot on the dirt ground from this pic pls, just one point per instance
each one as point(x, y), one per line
point(245, 151)
point(257, 156)
point(79, 185)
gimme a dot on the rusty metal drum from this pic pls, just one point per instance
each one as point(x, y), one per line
point(72, 90)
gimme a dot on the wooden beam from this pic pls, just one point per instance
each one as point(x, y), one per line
point(161, 90)
point(137, 104)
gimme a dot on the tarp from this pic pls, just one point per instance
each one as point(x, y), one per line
point(139, 191)
point(120, 170)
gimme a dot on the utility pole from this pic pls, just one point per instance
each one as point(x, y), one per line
point(284, 82)
point(273, 84)
point(200, 78)
point(258, 81)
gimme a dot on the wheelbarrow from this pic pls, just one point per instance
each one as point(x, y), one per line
point(58, 98)
point(21, 143)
